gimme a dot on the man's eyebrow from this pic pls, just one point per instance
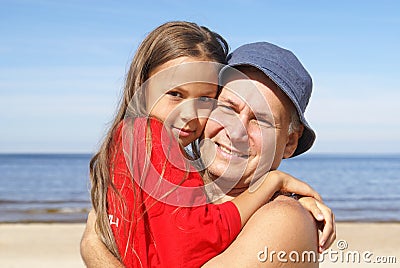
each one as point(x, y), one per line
point(229, 101)
point(263, 115)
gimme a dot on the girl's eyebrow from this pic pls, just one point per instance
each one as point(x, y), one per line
point(182, 89)
point(178, 88)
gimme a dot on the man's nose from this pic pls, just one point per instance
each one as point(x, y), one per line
point(236, 130)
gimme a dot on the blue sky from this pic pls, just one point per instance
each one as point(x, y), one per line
point(62, 65)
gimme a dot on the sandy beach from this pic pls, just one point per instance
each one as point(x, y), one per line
point(40, 245)
point(380, 239)
point(57, 245)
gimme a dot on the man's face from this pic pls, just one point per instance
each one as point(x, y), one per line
point(246, 134)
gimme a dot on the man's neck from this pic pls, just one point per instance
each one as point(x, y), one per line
point(221, 195)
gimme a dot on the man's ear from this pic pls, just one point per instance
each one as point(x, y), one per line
point(292, 142)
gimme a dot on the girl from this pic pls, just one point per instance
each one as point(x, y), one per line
point(151, 210)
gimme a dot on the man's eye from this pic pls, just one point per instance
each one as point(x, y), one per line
point(263, 123)
point(226, 108)
point(174, 94)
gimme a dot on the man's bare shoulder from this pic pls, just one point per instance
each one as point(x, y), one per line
point(284, 214)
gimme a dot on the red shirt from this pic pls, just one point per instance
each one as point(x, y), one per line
point(155, 229)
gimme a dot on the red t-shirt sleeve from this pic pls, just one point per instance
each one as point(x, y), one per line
point(166, 234)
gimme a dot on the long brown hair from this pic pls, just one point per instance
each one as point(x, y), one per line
point(167, 42)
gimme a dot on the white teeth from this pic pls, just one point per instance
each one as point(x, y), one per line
point(225, 150)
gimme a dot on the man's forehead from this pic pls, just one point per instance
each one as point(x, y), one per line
point(245, 91)
point(251, 83)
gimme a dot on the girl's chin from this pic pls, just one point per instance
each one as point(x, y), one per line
point(184, 142)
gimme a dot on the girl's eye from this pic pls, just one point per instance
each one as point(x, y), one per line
point(206, 99)
point(174, 94)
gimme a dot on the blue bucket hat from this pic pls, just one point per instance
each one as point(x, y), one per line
point(287, 72)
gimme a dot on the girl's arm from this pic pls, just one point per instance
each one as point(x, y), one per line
point(248, 202)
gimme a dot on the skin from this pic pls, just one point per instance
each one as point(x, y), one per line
point(94, 253)
point(182, 105)
point(282, 224)
point(248, 131)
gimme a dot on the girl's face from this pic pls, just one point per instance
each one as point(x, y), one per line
point(181, 93)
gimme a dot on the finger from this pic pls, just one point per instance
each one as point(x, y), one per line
point(329, 242)
point(333, 236)
point(310, 204)
point(328, 233)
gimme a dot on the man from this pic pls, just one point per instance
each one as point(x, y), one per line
point(259, 75)
point(259, 120)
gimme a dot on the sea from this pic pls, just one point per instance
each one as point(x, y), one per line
point(56, 187)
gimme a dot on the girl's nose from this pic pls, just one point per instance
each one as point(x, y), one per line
point(188, 110)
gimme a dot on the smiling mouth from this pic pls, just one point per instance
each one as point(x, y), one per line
point(228, 151)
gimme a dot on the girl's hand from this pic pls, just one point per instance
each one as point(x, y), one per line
point(326, 219)
point(289, 184)
point(275, 181)
point(312, 201)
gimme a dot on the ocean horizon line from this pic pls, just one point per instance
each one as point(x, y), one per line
point(55, 187)
point(307, 154)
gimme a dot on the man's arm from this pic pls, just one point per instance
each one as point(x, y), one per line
point(282, 225)
point(94, 253)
